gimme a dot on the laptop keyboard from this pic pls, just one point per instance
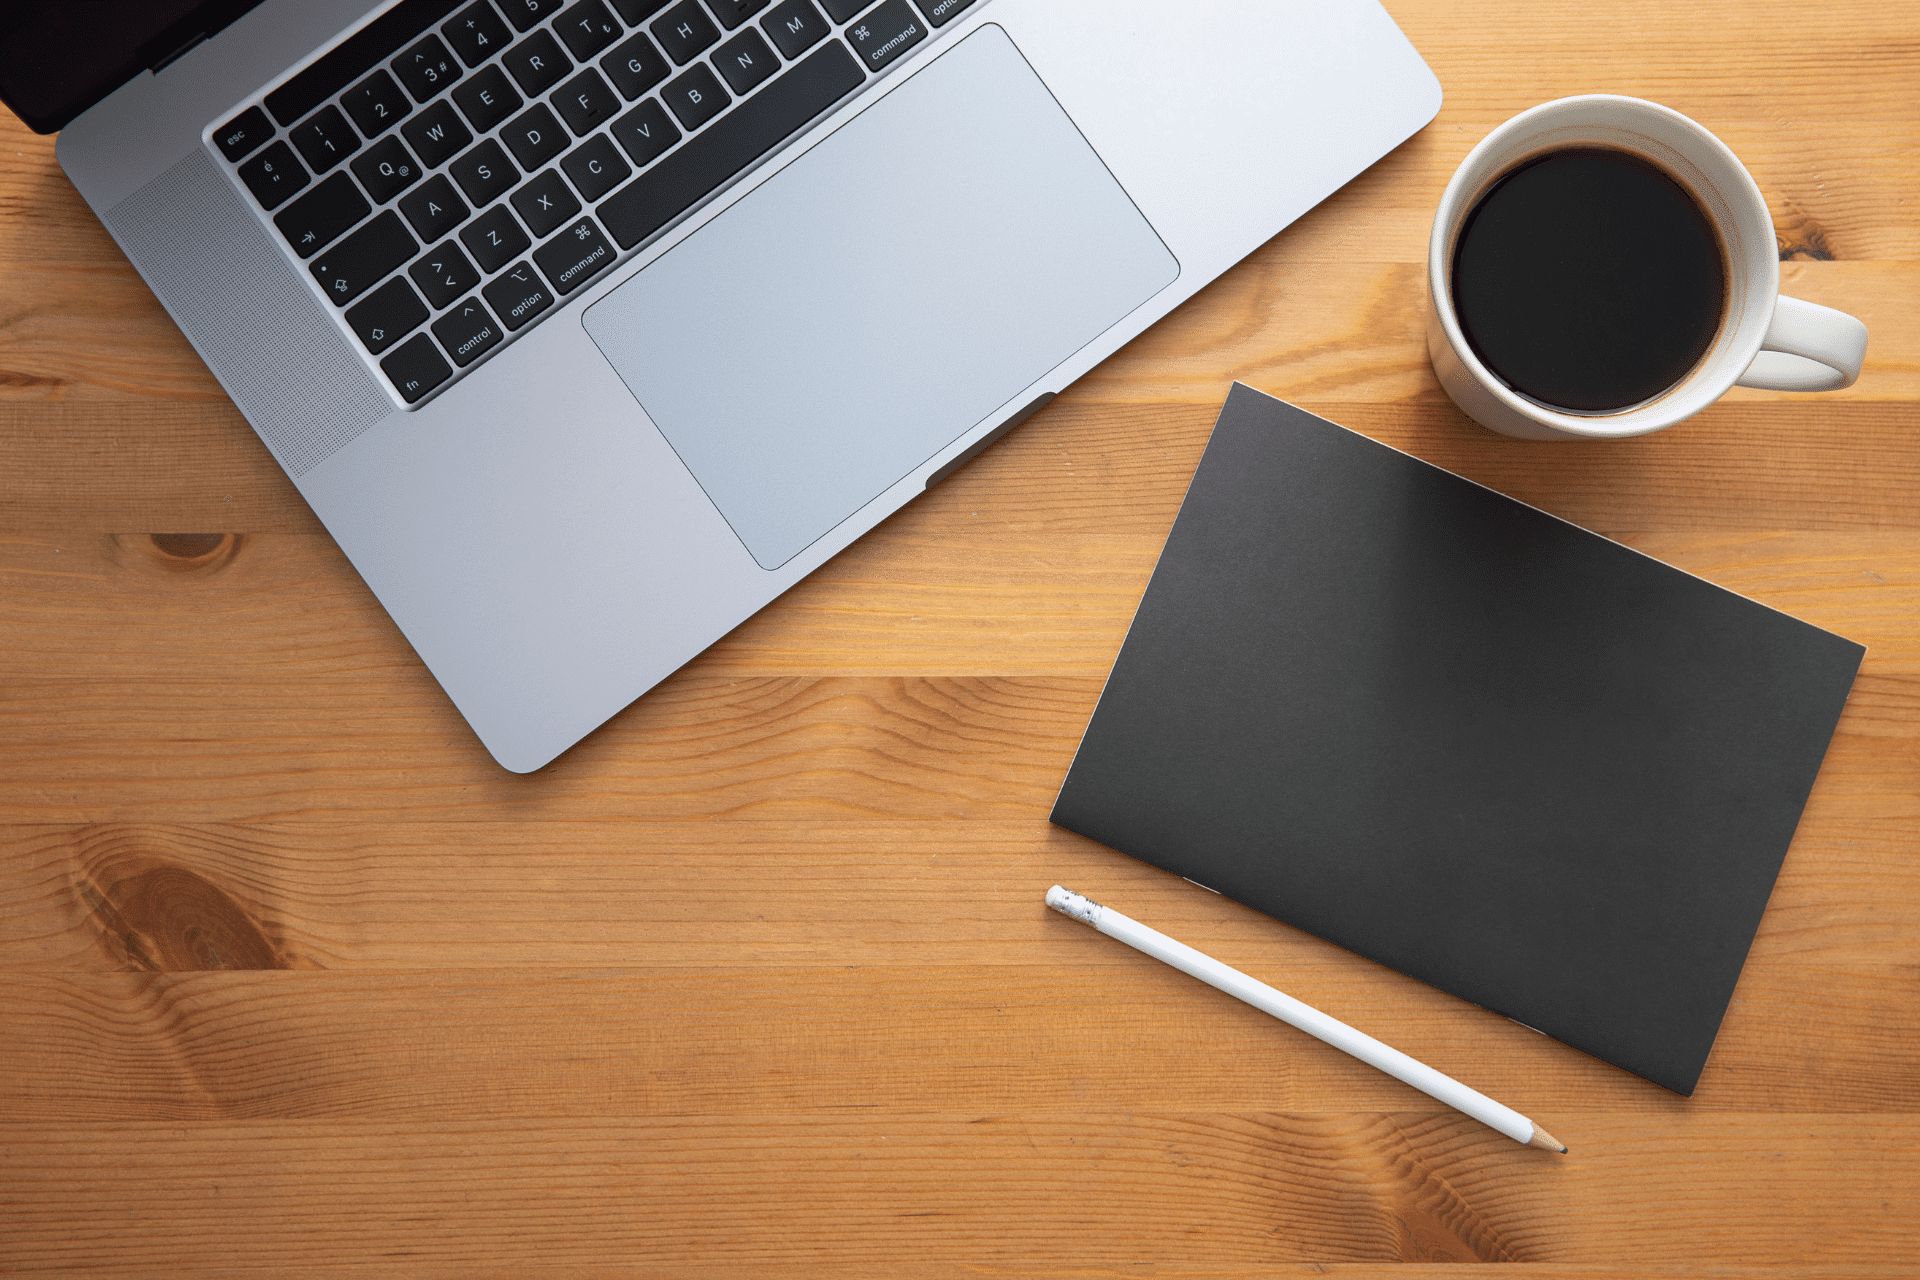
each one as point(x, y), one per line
point(454, 171)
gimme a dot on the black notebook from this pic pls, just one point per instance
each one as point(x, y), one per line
point(1462, 737)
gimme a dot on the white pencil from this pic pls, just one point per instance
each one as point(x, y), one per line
point(1306, 1017)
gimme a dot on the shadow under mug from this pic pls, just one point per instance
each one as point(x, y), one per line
point(1765, 340)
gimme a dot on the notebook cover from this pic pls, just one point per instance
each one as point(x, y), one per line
point(1467, 739)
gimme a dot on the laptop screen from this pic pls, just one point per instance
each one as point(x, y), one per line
point(58, 58)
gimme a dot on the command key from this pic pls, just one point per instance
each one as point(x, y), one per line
point(886, 33)
point(575, 256)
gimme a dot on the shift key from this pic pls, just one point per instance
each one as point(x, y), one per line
point(364, 258)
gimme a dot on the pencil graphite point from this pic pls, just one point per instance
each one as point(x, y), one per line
point(1546, 1141)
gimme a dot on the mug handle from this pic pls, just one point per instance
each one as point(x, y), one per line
point(1808, 347)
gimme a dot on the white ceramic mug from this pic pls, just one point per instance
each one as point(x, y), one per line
point(1765, 340)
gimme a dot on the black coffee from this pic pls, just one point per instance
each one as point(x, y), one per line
point(1589, 279)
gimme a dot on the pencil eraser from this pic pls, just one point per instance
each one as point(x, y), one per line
point(1069, 903)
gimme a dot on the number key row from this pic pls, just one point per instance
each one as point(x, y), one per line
point(437, 132)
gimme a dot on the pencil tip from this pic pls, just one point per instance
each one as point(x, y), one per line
point(1546, 1141)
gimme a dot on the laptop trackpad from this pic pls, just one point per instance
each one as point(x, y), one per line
point(912, 273)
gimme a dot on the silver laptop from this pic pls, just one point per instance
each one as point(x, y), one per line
point(589, 328)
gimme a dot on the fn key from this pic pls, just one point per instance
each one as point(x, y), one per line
point(416, 369)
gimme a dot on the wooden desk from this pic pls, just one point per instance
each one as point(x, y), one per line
point(758, 978)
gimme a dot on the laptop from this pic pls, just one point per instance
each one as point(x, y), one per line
point(589, 328)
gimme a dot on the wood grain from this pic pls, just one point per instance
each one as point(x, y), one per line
point(1245, 1188)
point(757, 979)
point(640, 1039)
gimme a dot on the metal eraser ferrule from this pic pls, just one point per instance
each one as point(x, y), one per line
point(1069, 903)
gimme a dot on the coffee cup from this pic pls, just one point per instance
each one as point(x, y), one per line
point(1542, 356)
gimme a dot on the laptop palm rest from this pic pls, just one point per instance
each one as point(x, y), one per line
point(911, 274)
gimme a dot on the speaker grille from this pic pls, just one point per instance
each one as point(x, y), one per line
point(249, 315)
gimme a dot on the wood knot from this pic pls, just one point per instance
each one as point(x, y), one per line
point(163, 918)
point(14, 379)
point(188, 546)
point(189, 553)
point(1799, 238)
point(1424, 1236)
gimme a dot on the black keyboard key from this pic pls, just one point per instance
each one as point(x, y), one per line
point(537, 63)
point(587, 28)
point(495, 239)
point(476, 33)
point(695, 96)
point(484, 173)
point(358, 54)
point(468, 331)
point(426, 69)
point(645, 132)
point(518, 295)
point(359, 262)
point(635, 67)
point(596, 167)
point(585, 102)
point(638, 11)
point(274, 175)
point(416, 368)
point(388, 314)
point(841, 10)
point(534, 136)
point(443, 274)
point(684, 32)
point(486, 98)
point(524, 13)
point(242, 135)
point(745, 61)
point(376, 104)
point(435, 209)
point(435, 134)
point(886, 33)
point(324, 139)
point(544, 203)
point(734, 12)
point(737, 139)
point(575, 256)
point(941, 12)
point(385, 170)
point(316, 219)
point(795, 27)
